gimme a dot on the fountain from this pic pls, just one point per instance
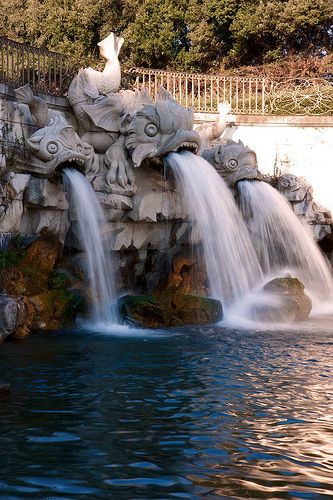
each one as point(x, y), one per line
point(232, 265)
point(91, 221)
point(282, 242)
point(112, 164)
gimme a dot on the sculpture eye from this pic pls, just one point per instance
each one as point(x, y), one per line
point(79, 148)
point(52, 147)
point(232, 163)
point(151, 129)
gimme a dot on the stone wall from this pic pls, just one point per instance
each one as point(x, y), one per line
point(301, 145)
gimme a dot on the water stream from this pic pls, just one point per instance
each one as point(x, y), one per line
point(232, 265)
point(281, 241)
point(91, 222)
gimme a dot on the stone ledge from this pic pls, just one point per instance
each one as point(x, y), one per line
point(270, 120)
point(54, 102)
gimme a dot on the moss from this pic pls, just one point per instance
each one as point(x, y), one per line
point(169, 310)
point(13, 255)
point(58, 279)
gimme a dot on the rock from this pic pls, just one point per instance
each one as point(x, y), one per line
point(286, 302)
point(11, 215)
point(44, 193)
point(25, 317)
point(193, 310)
point(16, 185)
point(167, 311)
point(146, 311)
point(8, 315)
point(37, 220)
point(54, 309)
point(30, 276)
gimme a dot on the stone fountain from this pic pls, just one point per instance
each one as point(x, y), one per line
point(118, 140)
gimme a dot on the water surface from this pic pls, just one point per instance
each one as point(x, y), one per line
point(208, 412)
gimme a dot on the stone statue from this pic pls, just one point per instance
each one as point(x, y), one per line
point(210, 132)
point(299, 193)
point(233, 161)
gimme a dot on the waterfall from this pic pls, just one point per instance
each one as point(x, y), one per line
point(281, 241)
point(91, 221)
point(232, 265)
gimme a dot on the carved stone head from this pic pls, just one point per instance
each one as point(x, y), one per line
point(233, 161)
point(158, 129)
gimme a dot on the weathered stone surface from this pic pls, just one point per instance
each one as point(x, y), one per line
point(17, 184)
point(115, 201)
point(54, 309)
point(289, 302)
point(25, 317)
point(11, 216)
point(37, 220)
point(44, 193)
point(8, 315)
point(299, 193)
point(31, 274)
point(154, 200)
point(170, 310)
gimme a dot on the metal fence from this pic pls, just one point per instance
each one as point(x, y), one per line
point(246, 95)
point(49, 72)
point(21, 63)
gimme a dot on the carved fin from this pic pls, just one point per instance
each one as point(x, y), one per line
point(34, 141)
point(24, 94)
point(164, 95)
point(106, 113)
point(68, 136)
point(37, 106)
point(84, 80)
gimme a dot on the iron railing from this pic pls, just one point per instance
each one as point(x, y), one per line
point(49, 72)
point(44, 70)
point(246, 95)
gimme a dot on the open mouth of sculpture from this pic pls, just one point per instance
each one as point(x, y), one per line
point(182, 140)
point(246, 175)
point(68, 160)
point(188, 146)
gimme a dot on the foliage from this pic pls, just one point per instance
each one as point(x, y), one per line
point(13, 255)
point(192, 35)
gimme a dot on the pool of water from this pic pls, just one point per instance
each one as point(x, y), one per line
point(210, 412)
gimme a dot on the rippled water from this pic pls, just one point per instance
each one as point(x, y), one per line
point(206, 412)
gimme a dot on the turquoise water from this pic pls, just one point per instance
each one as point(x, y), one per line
point(206, 412)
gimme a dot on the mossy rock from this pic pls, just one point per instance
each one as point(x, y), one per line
point(147, 311)
point(291, 302)
point(55, 309)
point(167, 311)
point(194, 310)
point(30, 275)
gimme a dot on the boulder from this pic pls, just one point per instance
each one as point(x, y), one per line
point(284, 301)
point(8, 315)
point(167, 311)
point(30, 276)
point(54, 309)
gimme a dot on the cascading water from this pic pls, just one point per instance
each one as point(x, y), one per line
point(281, 241)
point(91, 221)
point(232, 265)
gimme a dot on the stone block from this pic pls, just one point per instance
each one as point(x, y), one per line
point(44, 193)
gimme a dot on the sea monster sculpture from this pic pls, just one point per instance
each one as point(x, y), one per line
point(118, 130)
point(126, 126)
point(299, 193)
point(233, 161)
point(55, 143)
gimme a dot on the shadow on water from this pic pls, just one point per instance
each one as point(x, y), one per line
point(190, 413)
